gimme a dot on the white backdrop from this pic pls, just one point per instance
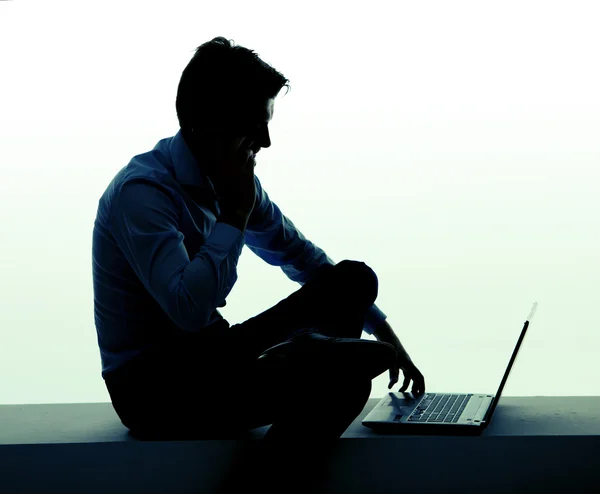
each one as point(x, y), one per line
point(452, 146)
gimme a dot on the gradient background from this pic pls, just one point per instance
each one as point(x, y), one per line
point(452, 146)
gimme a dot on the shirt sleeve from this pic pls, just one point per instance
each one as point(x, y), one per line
point(274, 238)
point(373, 318)
point(145, 225)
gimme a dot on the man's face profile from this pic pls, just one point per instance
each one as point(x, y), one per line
point(253, 124)
point(250, 123)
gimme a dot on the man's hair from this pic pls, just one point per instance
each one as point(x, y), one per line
point(223, 81)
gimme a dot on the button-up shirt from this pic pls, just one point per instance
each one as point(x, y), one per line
point(161, 260)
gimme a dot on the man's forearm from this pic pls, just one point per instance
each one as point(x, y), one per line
point(384, 331)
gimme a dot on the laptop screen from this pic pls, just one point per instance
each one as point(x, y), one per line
point(510, 364)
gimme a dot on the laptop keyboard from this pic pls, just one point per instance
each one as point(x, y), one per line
point(439, 408)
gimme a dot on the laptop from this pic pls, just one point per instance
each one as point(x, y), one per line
point(439, 413)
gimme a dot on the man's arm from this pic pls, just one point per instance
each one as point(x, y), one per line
point(375, 319)
point(383, 331)
point(144, 223)
point(274, 238)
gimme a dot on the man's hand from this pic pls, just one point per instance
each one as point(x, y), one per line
point(385, 333)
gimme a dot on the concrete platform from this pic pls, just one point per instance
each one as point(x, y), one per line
point(534, 444)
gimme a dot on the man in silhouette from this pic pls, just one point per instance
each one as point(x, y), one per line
point(168, 234)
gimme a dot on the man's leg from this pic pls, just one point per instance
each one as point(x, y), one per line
point(334, 303)
point(309, 413)
point(305, 404)
point(174, 390)
point(300, 402)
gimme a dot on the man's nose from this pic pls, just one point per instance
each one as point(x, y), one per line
point(261, 143)
point(263, 138)
point(266, 142)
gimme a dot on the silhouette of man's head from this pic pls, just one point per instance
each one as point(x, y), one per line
point(226, 91)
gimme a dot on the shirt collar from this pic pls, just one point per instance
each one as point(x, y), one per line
point(187, 169)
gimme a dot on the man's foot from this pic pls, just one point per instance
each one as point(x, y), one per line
point(347, 356)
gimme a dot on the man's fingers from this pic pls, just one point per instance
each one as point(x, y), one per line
point(405, 384)
point(418, 383)
point(394, 375)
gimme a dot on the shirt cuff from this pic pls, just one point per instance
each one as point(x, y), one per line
point(373, 318)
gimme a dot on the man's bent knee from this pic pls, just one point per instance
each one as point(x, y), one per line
point(357, 273)
point(358, 270)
